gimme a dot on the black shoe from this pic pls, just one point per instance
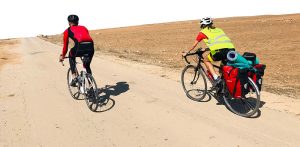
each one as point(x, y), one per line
point(217, 81)
point(73, 82)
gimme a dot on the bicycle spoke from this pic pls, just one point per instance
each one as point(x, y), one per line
point(76, 93)
point(246, 106)
point(250, 104)
point(91, 97)
point(196, 77)
point(193, 83)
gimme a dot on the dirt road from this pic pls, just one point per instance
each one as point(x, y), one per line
point(146, 110)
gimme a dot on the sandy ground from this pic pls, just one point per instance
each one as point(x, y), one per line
point(147, 108)
point(6, 56)
point(275, 40)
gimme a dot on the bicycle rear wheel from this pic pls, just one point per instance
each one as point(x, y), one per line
point(91, 98)
point(194, 83)
point(74, 91)
point(246, 106)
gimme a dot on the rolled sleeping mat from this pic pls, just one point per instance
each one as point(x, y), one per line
point(239, 65)
point(233, 56)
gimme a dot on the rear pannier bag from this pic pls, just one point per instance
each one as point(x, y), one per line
point(257, 75)
point(236, 81)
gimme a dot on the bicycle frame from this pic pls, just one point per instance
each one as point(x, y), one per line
point(81, 75)
point(199, 54)
point(86, 86)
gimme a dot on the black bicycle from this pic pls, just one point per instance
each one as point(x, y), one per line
point(85, 86)
point(194, 81)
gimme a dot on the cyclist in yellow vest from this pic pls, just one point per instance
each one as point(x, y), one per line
point(218, 43)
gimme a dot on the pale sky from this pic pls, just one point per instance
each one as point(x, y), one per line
point(23, 18)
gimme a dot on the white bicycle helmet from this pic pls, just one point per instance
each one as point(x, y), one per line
point(206, 21)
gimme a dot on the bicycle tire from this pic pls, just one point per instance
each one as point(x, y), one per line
point(91, 99)
point(234, 104)
point(194, 81)
point(74, 91)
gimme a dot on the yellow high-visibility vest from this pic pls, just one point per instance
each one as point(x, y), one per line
point(217, 39)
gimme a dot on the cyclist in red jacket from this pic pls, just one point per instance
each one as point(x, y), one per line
point(83, 46)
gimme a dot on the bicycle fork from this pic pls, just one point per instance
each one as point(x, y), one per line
point(196, 76)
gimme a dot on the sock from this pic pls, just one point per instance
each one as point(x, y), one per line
point(215, 76)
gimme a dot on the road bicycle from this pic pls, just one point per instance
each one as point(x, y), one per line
point(85, 85)
point(195, 85)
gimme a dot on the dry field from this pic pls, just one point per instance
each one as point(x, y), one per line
point(275, 40)
point(5, 55)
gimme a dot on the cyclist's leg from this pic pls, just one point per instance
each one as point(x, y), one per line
point(221, 55)
point(91, 54)
point(81, 52)
point(72, 61)
point(89, 49)
point(207, 61)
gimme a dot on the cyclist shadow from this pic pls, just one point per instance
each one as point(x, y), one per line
point(237, 106)
point(105, 101)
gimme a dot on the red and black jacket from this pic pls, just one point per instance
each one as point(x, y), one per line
point(77, 34)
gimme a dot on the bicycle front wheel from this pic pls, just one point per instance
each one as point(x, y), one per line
point(74, 91)
point(91, 98)
point(194, 83)
point(245, 106)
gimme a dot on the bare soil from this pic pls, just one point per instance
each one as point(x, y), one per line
point(275, 40)
point(6, 56)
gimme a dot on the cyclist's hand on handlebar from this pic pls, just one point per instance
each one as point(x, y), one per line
point(61, 58)
point(184, 53)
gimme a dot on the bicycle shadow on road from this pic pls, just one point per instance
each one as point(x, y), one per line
point(105, 101)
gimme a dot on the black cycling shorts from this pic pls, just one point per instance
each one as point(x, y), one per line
point(82, 49)
point(221, 54)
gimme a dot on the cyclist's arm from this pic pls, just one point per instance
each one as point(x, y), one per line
point(193, 47)
point(66, 43)
point(199, 38)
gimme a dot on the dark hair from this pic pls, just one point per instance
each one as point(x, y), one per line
point(73, 19)
point(210, 26)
